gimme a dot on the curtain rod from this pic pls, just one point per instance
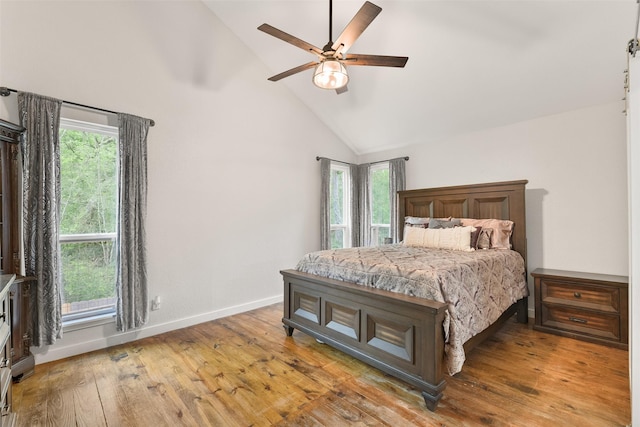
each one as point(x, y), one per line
point(5, 91)
point(372, 163)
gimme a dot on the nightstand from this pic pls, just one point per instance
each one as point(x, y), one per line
point(586, 306)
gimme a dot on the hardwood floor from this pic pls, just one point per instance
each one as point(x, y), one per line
point(242, 370)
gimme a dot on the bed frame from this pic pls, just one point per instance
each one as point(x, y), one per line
point(396, 333)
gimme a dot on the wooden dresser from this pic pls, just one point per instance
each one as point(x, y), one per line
point(14, 292)
point(586, 306)
point(10, 252)
point(7, 418)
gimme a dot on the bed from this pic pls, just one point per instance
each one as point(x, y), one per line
point(405, 335)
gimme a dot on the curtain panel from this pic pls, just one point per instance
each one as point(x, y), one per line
point(325, 204)
point(40, 149)
point(355, 207)
point(362, 221)
point(131, 276)
point(396, 183)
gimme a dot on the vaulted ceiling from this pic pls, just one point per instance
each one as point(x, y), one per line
point(472, 64)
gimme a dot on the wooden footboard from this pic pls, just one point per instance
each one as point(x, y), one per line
point(396, 333)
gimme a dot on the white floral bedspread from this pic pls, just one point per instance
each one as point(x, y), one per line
point(477, 286)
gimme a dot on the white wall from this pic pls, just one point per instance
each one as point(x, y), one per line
point(3, 110)
point(232, 166)
point(576, 164)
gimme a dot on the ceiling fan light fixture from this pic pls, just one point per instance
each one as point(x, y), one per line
point(330, 74)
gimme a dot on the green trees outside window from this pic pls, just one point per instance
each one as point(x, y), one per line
point(88, 178)
point(380, 203)
point(340, 206)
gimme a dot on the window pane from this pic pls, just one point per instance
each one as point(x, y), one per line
point(380, 207)
point(337, 196)
point(337, 239)
point(88, 275)
point(379, 234)
point(87, 182)
point(88, 195)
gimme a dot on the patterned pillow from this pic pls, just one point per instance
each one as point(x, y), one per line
point(484, 238)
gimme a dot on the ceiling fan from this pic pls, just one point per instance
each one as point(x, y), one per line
point(330, 71)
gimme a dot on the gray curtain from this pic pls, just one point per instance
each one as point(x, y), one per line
point(131, 276)
point(325, 204)
point(355, 207)
point(362, 221)
point(41, 212)
point(360, 201)
point(396, 183)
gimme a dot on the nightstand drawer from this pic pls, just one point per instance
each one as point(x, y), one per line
point(600, 325)
point(602, 298)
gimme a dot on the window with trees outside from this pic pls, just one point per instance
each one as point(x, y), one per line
point(380, 203)
point(340, 188)
point(88, 187)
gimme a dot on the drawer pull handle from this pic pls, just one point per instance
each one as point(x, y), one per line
point(578, 320)
point(577, 294)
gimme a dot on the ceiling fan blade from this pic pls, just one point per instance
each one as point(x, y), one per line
point(292, 71)
point(273, 31)
point(358, 24)
point(342, 89)
point(375, 60)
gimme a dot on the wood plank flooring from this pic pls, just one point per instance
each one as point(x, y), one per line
point(243, 371)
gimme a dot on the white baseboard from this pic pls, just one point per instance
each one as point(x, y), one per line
point(51, 353)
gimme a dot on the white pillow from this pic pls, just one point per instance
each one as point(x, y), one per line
point(457, 238)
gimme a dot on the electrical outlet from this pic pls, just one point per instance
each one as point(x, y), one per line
point(155, 303)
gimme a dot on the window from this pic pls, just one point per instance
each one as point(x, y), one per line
point(340, 196)
point(380, 203)
point(88, 187)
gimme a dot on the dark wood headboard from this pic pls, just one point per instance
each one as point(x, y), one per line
point(500, 200)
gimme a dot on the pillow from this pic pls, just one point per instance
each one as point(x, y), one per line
point(484, 238)
point(419, 221)
point(444, 223)
point(474, 237)
point(502, 230)
point(456, 238)
point(416, 221)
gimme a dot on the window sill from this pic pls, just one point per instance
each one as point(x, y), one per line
point(88, 322)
